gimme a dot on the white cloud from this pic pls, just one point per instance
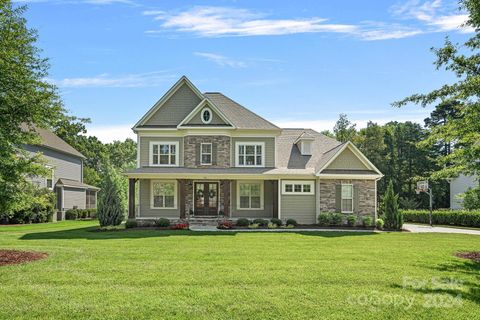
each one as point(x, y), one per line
point(149, 79)
point(110, 133)
point(221, 60)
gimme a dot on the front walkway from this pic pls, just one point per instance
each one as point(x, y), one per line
point(417, 228)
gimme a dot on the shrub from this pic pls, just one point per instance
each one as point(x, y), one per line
point(324, 219)
point(92, 213)
point(112, 207)
point(261, 222)
point(243, 222)
point(292, 222)
point(336, 219)
point(253, 226)
point(462, 218)
point(272, 226)
point(162, 223)
point(351, 220)
point(131, 223)
point(367, 222)
point(471, 198)
point(379, 224)
point(289, 226)
point(180, 226)
point(393, 216)
point(225, 224)
point(276, 221)
point(71, 214)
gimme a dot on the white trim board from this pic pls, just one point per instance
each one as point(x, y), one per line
point(205, 102)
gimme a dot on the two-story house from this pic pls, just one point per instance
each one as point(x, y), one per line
point(205, 154)
point(66, 178)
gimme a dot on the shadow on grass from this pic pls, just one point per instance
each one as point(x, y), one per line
point(441, 291)
point(91, 233)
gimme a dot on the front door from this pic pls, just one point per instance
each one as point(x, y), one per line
point(206, 198)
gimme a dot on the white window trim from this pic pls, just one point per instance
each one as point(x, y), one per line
point(52, 177)
point(175, 195)
point(341, 197)
point(177, 153)
point(304, 152)
point(211, 115)
point(262, 195)
point(206, 153)
point(249, 143)
point(293, 183)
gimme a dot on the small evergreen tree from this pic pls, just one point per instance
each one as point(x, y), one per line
point(112, 204)
point(393, 216)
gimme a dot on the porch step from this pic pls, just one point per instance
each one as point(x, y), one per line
point(203, 222)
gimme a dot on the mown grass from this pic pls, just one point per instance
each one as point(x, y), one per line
point(143, 274)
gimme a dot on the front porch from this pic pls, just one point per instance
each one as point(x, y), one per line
point(179, 199)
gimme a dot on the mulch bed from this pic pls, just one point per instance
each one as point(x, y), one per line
point(8, 257)
point(474, 255)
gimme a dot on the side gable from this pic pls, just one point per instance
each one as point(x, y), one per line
point(194, 118)
point(173, 107)
point(348, 159)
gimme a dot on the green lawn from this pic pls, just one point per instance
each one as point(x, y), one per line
point(180, 274)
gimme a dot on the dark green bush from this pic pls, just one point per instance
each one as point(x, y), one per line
point(162, 223)
point(336, 219)
point(291, 222)
point(462, 218)
point(40, 208)
point(71, 214)
point(276, 221)
point(351, 220)
point(243, 222)
point(324, 219)
point(367, 221)
point(131, 223)
point(261, 222)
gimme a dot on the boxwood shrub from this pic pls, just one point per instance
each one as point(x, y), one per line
point(336, 219)
point(462, 218)
point(261, 222)
point(243, 222)
point(324, 219)
point(276, 221)
point(291, 222)
point(162, 223)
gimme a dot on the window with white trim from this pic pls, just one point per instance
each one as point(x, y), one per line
point(206, 115)
point(298, 187)
point(164, 195)
point(347, 198)
point(250, 154)
point(250, 196)
point(164, 153)
point(49, 178)
point(206, 153)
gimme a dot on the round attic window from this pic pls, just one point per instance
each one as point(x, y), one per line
point(206, 115)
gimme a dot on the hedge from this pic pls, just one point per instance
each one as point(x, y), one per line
point(463, 218)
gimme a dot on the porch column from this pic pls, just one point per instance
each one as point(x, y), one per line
point(226, 197)
point(181, 184)
point(131, 198)
point(275, 199)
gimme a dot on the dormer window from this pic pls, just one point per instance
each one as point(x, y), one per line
point(304, 144)
point(306, 148)
point(206, 115)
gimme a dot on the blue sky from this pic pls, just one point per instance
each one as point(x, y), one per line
point(296, 63)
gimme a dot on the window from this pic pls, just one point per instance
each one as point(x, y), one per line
point(250, 196)
point(164, 195)
point(206, 115)
point(306, 148)
point(49, 178)
point(250, 154)
point(347, 198)
point(206, 153)
point(163, 153)
point(298, 187)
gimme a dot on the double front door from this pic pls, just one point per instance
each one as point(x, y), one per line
point(206, 198)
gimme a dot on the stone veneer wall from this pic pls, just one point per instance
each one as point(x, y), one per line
point(222, 156)
point(366, 194)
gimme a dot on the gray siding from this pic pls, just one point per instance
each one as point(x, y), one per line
point(302, 208)
point(197, 120)
point(145, 152)
point(176, 108)
point(64, 165)
point(269, 149)
point(145, 200)
point(74, 197)
point(347, 160)
point(458, 186)
point(267, 211)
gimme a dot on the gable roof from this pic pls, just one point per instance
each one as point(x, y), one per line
point(204, 103)
point(51, 140)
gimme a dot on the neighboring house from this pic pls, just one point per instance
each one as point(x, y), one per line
point(205, 154)
point(458, 186)
point(66, 179)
